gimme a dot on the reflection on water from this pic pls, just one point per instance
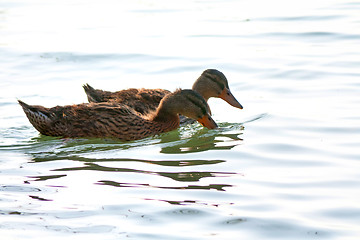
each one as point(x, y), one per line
point(188, 139)
point(219, 187)
point(202, 140)
point(177, 176)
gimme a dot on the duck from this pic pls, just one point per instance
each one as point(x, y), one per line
point(211, 83)
point(114, 120)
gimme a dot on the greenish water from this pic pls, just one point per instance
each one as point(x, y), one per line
point(284, 167)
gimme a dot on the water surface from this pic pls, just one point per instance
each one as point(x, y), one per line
point(284, 167)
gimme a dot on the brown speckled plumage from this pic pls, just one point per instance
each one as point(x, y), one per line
point(141, 100)
point(115, 120)
point(211, 83)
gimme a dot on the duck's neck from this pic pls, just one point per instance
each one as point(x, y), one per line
point(165, 121)
point(201, 90)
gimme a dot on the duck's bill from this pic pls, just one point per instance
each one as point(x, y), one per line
point(227, 96)
point(207, 121)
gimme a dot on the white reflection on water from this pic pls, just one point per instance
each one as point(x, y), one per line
point(284, 167)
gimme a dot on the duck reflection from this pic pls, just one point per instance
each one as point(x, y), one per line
point(170, 163)
point(193, 176)
point(218, 187)
point(92, 164)
point(203, 140)
point(182, 141)
point(187, 202)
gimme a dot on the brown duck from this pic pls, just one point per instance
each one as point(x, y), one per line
point(211, 83)
point(113, 120)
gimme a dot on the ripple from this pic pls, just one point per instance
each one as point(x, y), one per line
point(272, 228)
point(21, 188)
point(186, 213)
point(311, 18)
point(312, 36)
point(218, 187)
point(78, 230)
point(76, 57)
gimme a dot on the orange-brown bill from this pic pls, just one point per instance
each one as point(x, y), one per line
point(229, 98)
point(207, 121)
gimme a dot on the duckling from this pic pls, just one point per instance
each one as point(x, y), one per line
point(113, 120)
point(211, 83)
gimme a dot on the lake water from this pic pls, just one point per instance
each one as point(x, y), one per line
point(287, 166)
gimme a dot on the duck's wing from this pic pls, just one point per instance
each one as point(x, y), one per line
point(97, 95)
point(141, 100)
point(108, 119)
point(147, 100)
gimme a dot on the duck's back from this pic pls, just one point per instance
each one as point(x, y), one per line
point(141, 100)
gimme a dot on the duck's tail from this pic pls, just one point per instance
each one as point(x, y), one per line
point(92, 93)
point(38, 116)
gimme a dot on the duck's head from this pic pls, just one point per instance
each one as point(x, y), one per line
point(188, 103)
point(213, 83)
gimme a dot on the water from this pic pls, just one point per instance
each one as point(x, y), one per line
point(284, 167)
